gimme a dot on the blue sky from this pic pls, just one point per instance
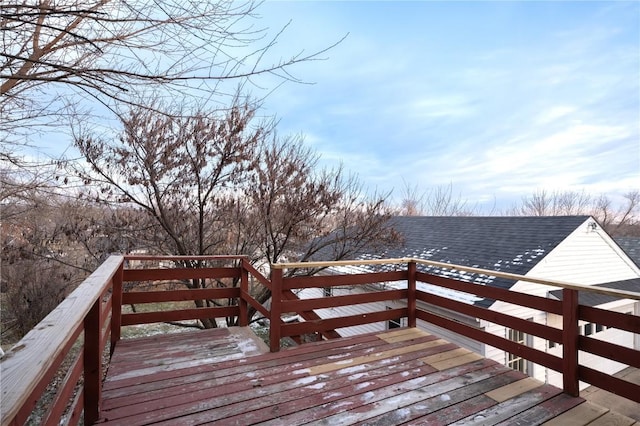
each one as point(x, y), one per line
point(499, 99)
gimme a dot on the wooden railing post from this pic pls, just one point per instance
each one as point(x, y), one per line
point(411, 294)
point(570, 335)
point(116, 307)
point(276, 306)
point(243, 319)
point(92, 360)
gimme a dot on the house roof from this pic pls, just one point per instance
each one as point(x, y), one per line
point(594, 299)
point(631, 246)
point(512, 244)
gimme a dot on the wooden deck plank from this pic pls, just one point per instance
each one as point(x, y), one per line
point(455, 361)
point(258, 365)
point(283, 413)
point(512, 407)
point(514, 389)
point(581, 415)
point(444, 401)
point(541, 413)
point(219, 376)
point(206, 397)
point(350, 362)
point(241, 383)
point(612, 419)
point(408, 334)
point(455, 412)
point(395, 377)
point(270, 396)
point(366, 342)
point(335, 408)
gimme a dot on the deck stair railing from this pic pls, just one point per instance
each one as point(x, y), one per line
point(72, 344)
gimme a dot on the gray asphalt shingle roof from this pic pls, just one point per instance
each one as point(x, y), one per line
point(631, 246)
point(512, 244)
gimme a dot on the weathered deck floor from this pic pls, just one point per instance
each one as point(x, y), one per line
point(396, 377)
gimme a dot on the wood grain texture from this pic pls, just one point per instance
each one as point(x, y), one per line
point(373, 379)
point(41, 347)
point(582, 414)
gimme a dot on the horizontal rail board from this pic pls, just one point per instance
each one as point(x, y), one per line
point(310, 315)
point(76, 408)
point(534, 355)
point(182, 257)
point(342, 322)
point(160, 274)
point(522, 299)
point(65, 392)
point(610, 383)
point(134, 297)
point(318, 281)
point(256, 274)
point(617, 320)
point(257, 305)
point(611, 351)
point(623, 294)
point(336, 301)
point(179, 315)
point(540, 330)
point(106, 307)
point(330, 263)
point(105, 335)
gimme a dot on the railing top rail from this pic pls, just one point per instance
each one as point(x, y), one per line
point(292, 265)
point(624, 294)
point(183, 257)
point(24, 365)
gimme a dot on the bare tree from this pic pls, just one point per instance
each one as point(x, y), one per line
point(436, 201)
point(623, 220)
point(557, 203)
point(615, 218)
point(44, 255)
point(220, 183)
point(413, 201)
point(66, 58)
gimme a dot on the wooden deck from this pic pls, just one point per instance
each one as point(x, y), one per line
point(396, 377)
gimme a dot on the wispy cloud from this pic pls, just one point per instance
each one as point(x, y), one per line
point(499, 99)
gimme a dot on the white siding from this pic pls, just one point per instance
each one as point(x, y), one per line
point(588, 257)
point(585, 257)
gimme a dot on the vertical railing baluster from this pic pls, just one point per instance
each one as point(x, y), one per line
point(116, 307)
point(411, 296)
point(243, 320)
point(92, 363)
point(570, 342)
point(275, 331)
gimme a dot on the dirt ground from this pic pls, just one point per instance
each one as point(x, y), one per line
point(614, 402)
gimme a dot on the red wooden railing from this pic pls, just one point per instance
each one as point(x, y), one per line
point(76, 335)
point(568, 308)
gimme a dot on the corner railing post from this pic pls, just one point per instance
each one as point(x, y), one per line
point(92, 359)
point(116, 307)
point(411, 293)
point(243, 319)
point(570, 335)
point(275, 331)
